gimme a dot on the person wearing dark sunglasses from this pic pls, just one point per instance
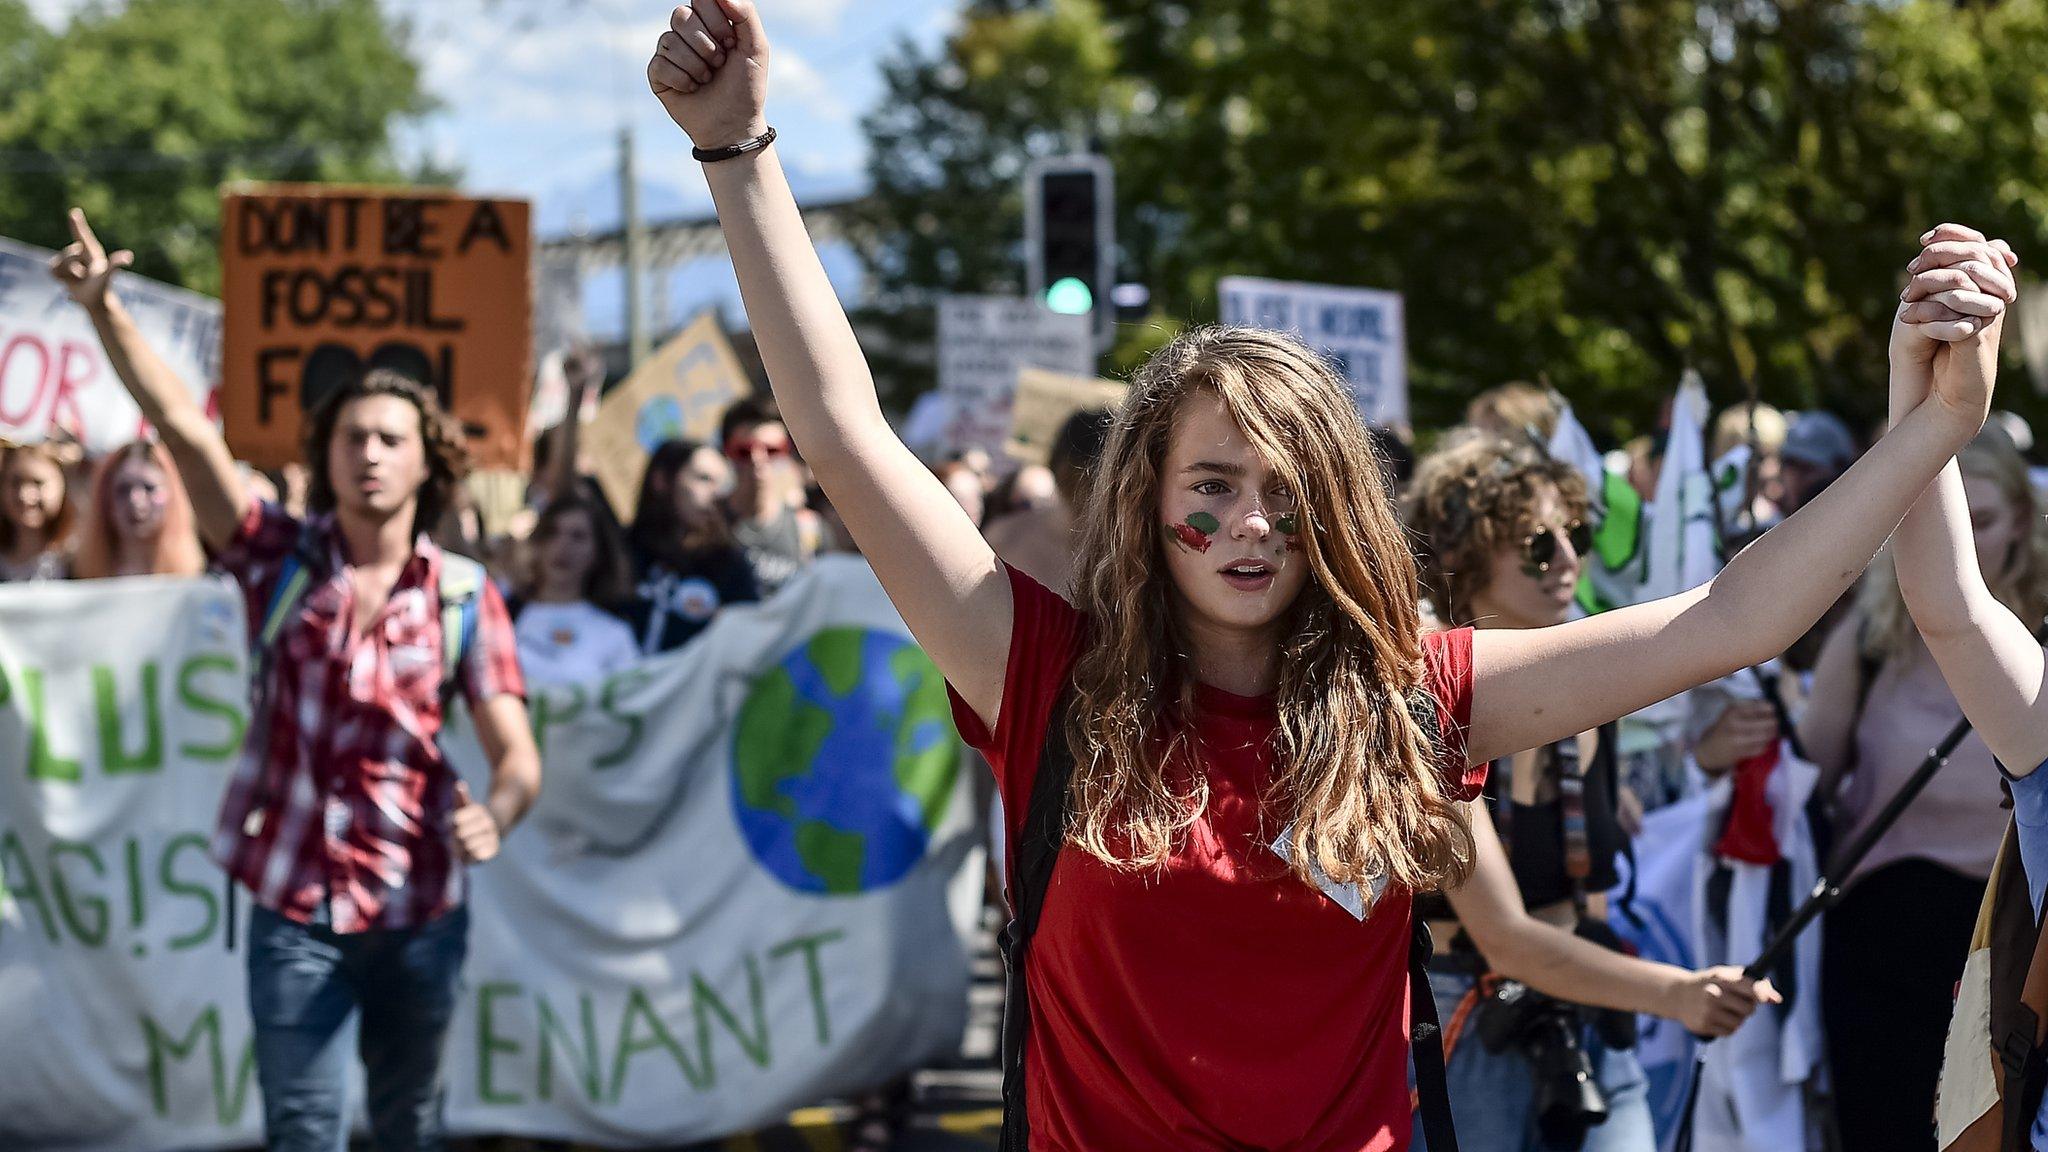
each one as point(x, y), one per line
point(1502, 530)
point(766, 499)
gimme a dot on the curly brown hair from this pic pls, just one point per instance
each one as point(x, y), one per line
point(1468, 499)
point(447, 454)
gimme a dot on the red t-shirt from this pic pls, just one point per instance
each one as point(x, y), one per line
point(1221, 1003)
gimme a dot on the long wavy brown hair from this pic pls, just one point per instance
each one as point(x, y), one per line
point(1353, 770)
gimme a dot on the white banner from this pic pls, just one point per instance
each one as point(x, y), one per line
point(52, 371)
point(984, 342)
point(730, 901)
point(1361, 328)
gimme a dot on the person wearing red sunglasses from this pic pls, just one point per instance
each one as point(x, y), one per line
point(766, 521)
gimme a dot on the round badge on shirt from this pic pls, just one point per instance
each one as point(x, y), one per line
point(695, 600)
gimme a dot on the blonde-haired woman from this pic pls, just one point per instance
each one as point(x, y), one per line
point(1879, 703)
point(139, 521)
point(1268, 754)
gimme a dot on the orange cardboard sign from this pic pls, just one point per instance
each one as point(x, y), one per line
point(320, 283)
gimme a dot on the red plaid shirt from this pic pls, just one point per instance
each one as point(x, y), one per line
point(342, 792)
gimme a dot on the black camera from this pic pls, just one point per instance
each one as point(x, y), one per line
point(1546, 1033)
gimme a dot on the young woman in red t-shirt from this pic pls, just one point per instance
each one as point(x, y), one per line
point(1242, 656)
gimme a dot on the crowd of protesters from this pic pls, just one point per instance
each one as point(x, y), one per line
point(1501, 536)
point(1505, 539)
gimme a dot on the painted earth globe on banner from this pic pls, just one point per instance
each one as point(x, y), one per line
point(658, 421)
point(843, 762)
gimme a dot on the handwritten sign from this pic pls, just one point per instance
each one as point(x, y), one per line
point(323, 283)
point(1362, 329)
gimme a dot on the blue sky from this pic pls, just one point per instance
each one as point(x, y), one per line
point(533, 94)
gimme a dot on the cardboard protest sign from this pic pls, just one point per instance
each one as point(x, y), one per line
point(55, 377)
point(1044, 402)
point(984, 341)
point(1361, 328)
point(678, 393)
point(321, 282)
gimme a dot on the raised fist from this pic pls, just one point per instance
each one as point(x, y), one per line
point(84, 268)
point(710, 70)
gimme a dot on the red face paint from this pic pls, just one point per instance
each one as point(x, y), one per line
point(1197, 532)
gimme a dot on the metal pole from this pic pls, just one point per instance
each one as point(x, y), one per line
point(636, 253)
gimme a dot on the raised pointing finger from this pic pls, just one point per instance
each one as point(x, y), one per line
point(82, 232)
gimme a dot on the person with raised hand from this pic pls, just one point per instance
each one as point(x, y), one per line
point(1944, 342)
point(1256, 753)
point(343, 819)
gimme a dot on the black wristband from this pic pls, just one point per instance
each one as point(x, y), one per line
point(714, 155)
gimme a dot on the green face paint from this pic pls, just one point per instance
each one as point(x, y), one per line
point(1286, 524)
point(1197, 532)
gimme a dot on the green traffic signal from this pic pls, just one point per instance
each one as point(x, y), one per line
point(1070, 296)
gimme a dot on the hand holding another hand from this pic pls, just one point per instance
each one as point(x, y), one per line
point(1951, 314)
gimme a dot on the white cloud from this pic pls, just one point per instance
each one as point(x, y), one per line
point(793, 78)
point(818, 17)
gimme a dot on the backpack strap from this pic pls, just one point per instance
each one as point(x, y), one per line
point(462, 585)
point(294, 577)
point(1425, 1030)
point(1035, 853)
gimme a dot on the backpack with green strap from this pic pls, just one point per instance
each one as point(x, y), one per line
point(461, 585)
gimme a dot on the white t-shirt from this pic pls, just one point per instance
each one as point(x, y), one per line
point(572, 643)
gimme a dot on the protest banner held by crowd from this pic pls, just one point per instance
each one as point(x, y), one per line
point(633, 734)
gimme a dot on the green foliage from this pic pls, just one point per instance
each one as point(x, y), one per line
point(1596, 192)
point(138, 113)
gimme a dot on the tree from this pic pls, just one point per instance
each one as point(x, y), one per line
point(1596, 192)
point(140, 113)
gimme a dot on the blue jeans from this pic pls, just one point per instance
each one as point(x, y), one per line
point(1493, 1095)
point(312, 991)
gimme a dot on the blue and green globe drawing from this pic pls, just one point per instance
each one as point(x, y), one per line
point(844, 761)
point(660, 419)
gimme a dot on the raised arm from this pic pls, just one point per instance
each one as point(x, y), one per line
point(1989, 656)
point(1540, 685)
point(204, 462)
point(711, 72)
point(584, 369)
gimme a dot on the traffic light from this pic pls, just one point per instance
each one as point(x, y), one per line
point(1070, 238)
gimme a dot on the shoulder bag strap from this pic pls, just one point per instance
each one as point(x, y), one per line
point(1037, 850)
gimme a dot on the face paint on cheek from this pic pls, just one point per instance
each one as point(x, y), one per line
point(1289, 526)
point(1197, 532)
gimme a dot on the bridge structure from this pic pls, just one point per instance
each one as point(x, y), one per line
point(563, 263)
